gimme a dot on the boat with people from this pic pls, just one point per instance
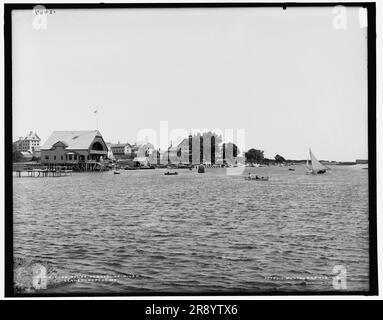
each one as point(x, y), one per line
point(116, 172)
point(256, 178)
point(168, 173)
point(315, 167)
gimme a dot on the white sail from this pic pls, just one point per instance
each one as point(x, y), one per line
point(308, 168)
point(315, 164)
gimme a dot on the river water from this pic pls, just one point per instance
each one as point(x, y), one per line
point(143, 232)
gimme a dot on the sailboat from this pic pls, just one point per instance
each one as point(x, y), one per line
point(315, 167)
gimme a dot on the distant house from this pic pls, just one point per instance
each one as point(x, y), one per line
point(181, 154)
point(141, 161)
point(361, 161)
point(121, 150)
point(176, 154)
point(74, 147)
point(37, 152)
point(28, 143)
point(143, 149)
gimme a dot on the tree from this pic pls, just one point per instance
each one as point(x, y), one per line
point(231, 150)
point(17, 156)
point(254, 155)
point(279, 158)
point(235, 150)
point(206, 145)
point(207, 137)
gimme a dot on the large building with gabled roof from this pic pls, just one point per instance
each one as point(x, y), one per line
point(74, 147)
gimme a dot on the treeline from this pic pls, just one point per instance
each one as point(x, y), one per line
point(17, 156)
point(257, 156)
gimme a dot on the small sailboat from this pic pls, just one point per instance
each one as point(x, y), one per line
point(315, 167)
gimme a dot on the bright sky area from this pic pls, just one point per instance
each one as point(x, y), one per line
point(287, 77)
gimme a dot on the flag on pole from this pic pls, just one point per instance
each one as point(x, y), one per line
point(96, 113)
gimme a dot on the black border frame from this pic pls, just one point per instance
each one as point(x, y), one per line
point(371, 43)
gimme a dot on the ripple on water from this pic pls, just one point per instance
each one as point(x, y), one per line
point(193, 233)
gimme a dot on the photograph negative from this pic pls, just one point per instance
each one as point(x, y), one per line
point(190, 149)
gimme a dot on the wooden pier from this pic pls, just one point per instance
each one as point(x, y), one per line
point(56, 170)
point(42, 173)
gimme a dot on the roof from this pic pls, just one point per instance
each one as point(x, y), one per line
point(183, 142)
point(32, 136)
point(119, 145)
point(138, 146)
point(76, 140)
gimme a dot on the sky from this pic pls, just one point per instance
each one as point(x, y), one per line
point(290, 79)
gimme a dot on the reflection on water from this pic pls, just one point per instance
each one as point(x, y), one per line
point(195, 232)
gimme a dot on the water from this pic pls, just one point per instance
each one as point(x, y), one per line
point(141, 231)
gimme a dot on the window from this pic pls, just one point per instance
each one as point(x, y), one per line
point(62, 158)
point(70, 157)
point(75, 157)
point(46, 157)
point(54, 157)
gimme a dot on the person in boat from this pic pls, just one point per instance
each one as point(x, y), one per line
point(256, 178)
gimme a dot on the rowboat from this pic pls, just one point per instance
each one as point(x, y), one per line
point(170, 173)
point(256, 178)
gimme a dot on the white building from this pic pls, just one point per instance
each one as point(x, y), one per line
point(30, 143)
point(73, 148)
point(121, 150)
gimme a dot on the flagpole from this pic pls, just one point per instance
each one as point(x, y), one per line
point(96, 113)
